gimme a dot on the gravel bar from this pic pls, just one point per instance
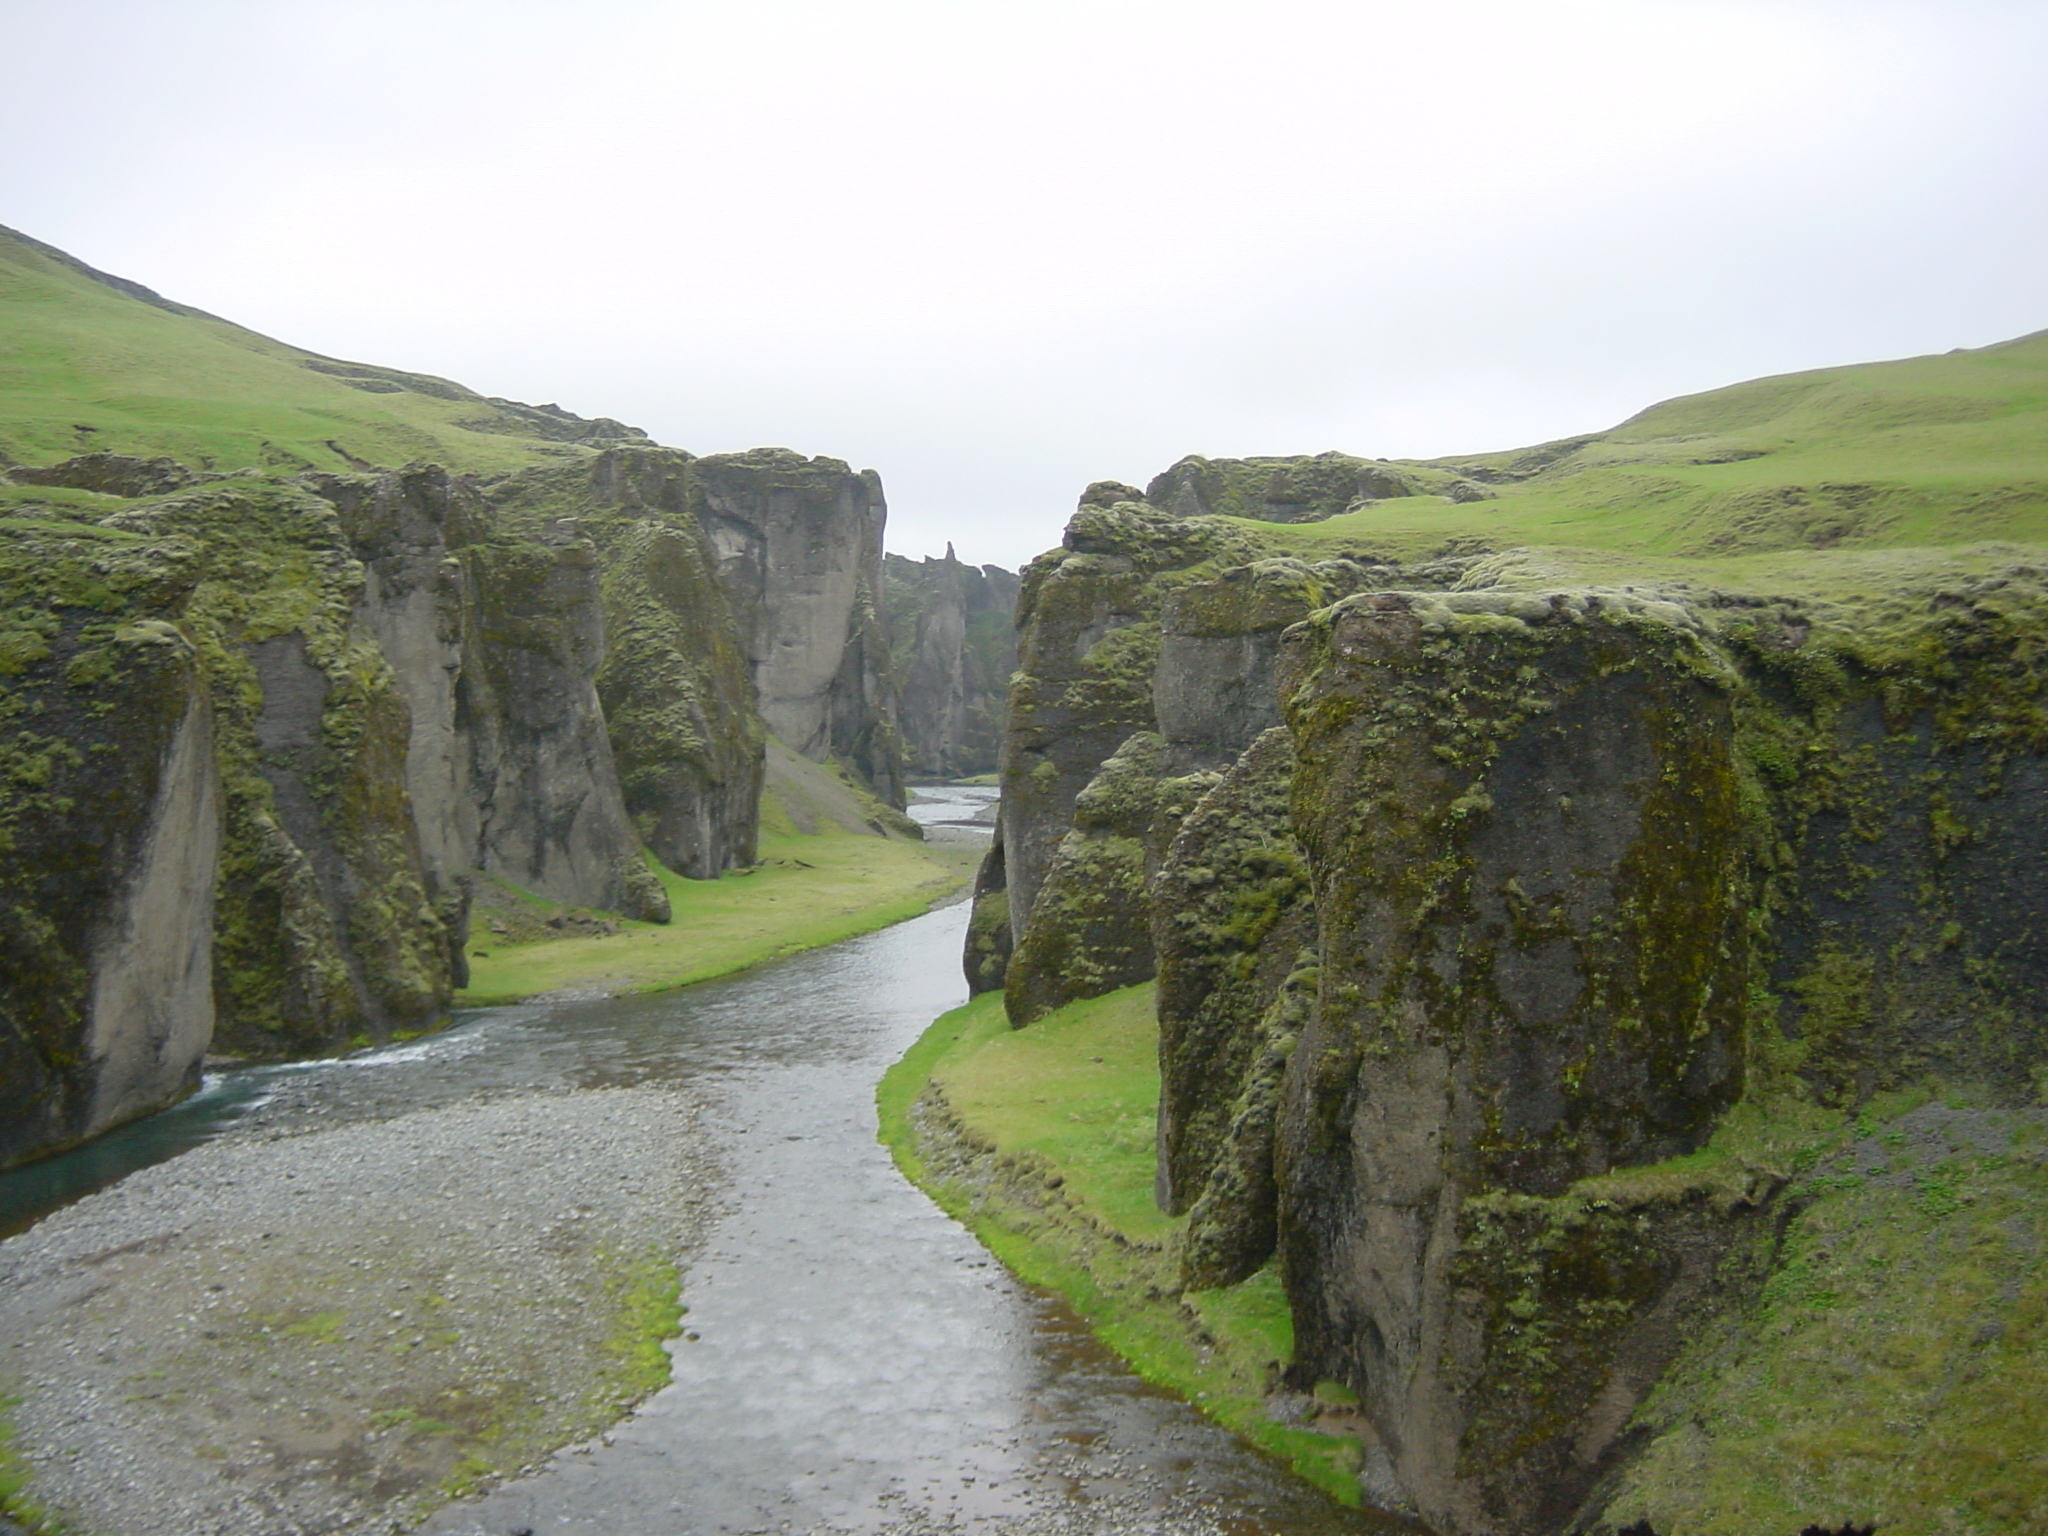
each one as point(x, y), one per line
point(333, 1330)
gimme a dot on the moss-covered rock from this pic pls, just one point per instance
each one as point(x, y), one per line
point(1300, 489)
point(987, 957)
point(1523, 820)
point(109, 837)
point(1090, 930)
point(325, 926)
point(1088, 646)
point(675, 684)
point(1232, 918)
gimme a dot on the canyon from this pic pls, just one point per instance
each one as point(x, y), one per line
point(1584, 903)
point(274, 727)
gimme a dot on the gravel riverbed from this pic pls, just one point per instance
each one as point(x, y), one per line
point(308, 1328)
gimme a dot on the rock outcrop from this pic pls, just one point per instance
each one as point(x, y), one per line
point(1088, 644)
point(1486, 908)
point(1522, 815)
point(1299, 490)
point(110, 836)
point(799, 546)
point(675, 682)
point(954, 646)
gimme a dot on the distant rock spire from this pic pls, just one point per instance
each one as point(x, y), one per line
point(950, 556)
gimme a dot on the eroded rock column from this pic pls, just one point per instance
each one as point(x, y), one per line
point(1520, 814)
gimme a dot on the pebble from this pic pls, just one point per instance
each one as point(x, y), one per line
point(207, 1347)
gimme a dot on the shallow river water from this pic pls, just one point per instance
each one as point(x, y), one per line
point(853, 1357)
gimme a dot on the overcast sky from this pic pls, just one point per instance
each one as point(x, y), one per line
point(996, 249)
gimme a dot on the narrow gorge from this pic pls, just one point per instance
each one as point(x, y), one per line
point(1510, 983)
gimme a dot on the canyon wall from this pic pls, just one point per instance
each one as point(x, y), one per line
point(1479, 907)
point(269, 733)
point(953, 647)
point(799, 548)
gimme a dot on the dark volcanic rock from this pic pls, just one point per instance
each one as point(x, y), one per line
point(1522, 817)
point(1232, 917)
point(954, 646)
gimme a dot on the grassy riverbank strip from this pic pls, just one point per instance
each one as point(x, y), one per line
point(1041, 1141)
point(806, 891)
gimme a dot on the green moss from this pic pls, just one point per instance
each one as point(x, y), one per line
point(649, 1312)
point(16, 1501)
point(1891, 1368)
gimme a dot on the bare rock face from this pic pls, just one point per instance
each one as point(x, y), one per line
point(954, 646)
point(799, 547)
point(1522, 818)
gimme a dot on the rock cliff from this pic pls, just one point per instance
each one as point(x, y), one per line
point(799, 548)
point(1510, 936)
point(284, 725)
point(953, 648)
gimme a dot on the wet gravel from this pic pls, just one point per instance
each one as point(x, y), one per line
point(332, 1329)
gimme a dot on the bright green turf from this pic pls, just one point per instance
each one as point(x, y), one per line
point(1924, 451)
point(806, 891)
point(1069, 1105)
point(172, 381)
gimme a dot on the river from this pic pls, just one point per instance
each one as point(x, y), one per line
point(853, 1358)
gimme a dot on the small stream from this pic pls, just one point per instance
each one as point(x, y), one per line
point(854, 1358)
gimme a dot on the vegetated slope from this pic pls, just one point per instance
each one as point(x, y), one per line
point(1596, 898)
point(91, 363)
point(275, 712)
point(1927, 450)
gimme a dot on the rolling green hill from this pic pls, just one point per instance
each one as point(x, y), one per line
point(1926, 451)
point(91, 363)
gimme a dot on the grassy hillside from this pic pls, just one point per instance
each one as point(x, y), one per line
point(1945, 450)
point(92, 363)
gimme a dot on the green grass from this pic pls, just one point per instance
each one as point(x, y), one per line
point(807, 891)
point(1894, 1368)
point(1068, 1106)
point(1927, 451)
point(152, 381)
point(15, 1473)
point(650, 1313)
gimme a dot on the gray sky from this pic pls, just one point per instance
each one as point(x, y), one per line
point(999, 248)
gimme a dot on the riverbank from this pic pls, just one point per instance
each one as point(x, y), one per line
point(806, 891)
point(1041, 1141)
point(334, 1329)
